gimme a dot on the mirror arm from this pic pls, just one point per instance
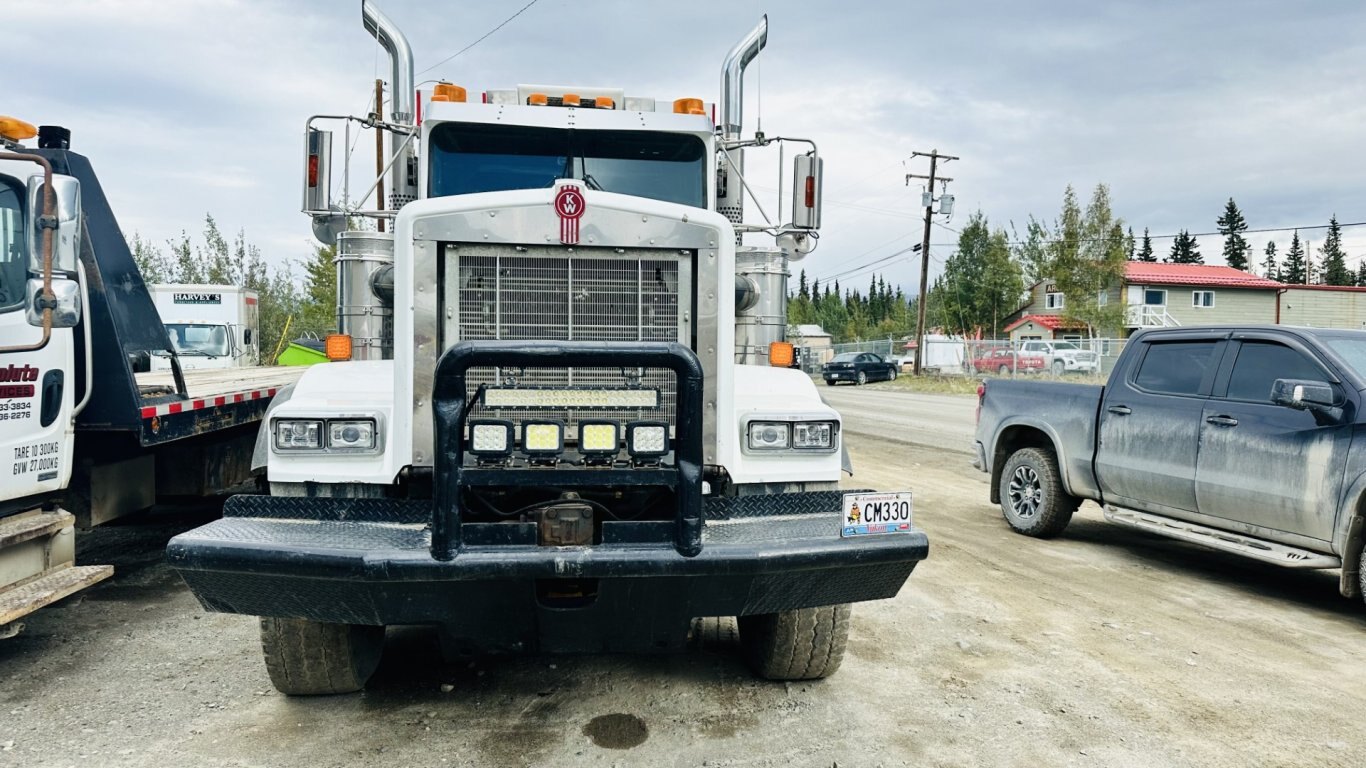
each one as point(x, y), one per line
point(47, 222)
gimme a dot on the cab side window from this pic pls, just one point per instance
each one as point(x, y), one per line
point(1176, 367)
point(1260, 363)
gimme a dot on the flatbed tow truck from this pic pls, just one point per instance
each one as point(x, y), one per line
point(87, 433)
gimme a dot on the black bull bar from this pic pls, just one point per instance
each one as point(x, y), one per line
point(449, 405)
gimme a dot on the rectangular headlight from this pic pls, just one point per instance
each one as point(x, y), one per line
point(351, 434)
point(813, 434)
point(768, 435)
point(510, 397)
point(542, 437)
point(298, 434)
point(490, 438)
point(647, 439)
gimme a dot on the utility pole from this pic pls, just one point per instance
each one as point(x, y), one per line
point(934, 157)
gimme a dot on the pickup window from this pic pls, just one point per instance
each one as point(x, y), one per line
point(1258, 366)
point(13, 253)
point(1176, 367)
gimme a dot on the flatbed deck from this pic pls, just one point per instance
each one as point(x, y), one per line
point(216, 399)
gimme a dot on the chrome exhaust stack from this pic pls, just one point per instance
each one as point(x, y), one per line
point(402, 180)
point(730, 194)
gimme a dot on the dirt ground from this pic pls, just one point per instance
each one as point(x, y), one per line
point(1105, 647)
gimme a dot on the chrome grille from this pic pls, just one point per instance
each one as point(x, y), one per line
point(589, 295)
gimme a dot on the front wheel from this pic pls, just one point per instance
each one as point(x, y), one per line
point(1059, 368)
point(1033, 499)
point(862, 377)
point(891, 375)
point(1004, 370)
point(829, 382)
point(805, 644)
point(307, 658)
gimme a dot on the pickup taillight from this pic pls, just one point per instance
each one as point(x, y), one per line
point(981, 396)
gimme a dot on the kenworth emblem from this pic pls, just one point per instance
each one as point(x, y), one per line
point(569, 204)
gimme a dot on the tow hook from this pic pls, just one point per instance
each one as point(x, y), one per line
point(568, 523)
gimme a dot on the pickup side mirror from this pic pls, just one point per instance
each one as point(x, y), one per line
point(1303, 394)
point(66, 238)
point(67, 294)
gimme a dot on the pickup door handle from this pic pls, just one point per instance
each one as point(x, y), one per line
point(1222, 421)
point(1120, 410)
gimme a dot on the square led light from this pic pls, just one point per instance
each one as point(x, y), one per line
point(351, 434)
point(647, 439)
point(298, 434)
point(600, 438)
point(818, 435)
point(768, 435)
point(490, 438)
point(544, 438)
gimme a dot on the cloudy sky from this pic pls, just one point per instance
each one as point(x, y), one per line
point(197, 106)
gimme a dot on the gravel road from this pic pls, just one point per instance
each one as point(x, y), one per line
point(1106, 647)
point(882, 412)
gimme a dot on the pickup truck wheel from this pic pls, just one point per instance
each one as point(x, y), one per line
point(1361, 574)
point(1032, 495)
point(862, 377)
point(1059, 368)
point(1004, 370)
point(306, 658)
point(805, 644)
point(829, 382)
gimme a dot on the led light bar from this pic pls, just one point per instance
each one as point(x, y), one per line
point(528, 397)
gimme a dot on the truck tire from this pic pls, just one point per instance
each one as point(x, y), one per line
point(1361, 574)
point(1033, 499)
point(307, 658)
point(805, 644)
point(1059, 368)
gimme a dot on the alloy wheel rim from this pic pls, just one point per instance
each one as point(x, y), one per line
point(1025, 492)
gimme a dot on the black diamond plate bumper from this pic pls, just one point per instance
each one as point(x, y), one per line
point(369, 561)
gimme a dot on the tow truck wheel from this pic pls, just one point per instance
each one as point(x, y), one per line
point(307, 658)
point(805, 644)
point(1033, 498)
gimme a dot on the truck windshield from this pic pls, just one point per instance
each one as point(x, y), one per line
point(199, 339)
point(13, 253)
point(472, 157)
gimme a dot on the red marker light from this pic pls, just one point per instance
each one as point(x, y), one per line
point(312, 170)
point(810, 191)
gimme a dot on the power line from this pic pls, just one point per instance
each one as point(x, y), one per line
point(519, 12)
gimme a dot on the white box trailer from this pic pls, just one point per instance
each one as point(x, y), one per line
point(210, 326)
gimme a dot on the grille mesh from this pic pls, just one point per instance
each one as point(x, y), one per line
point(571, 298)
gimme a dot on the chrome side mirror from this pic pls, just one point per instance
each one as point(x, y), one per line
point(67, 295)
point(806, 191)
point(66, 238)
point(317, 171)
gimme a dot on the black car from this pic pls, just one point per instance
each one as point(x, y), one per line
point(858, 367)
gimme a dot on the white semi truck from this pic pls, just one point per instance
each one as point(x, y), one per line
point(86, 433)
point(547, 435)
point(210, 326)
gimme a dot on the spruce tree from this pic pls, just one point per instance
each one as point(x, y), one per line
point(1232, 226)
point(801, 287)
point(1146, 252)
point(1185, 250)
point(1333, 269)
point(1294, 270)
point(1269, 268)
point(1129, 244)
point(1361, 273)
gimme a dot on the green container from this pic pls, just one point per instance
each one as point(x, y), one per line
point(298, 354)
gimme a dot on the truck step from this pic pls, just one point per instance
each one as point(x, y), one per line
point(1248, 546)
point(16, 530)
point(21, 600)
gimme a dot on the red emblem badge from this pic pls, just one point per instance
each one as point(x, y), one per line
point(569, 204)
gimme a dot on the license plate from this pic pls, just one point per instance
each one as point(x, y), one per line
point(873, 513)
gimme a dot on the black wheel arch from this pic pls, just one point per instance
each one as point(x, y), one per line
point(1012, 439)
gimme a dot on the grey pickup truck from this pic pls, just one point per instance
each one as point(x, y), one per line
point(1246, 439)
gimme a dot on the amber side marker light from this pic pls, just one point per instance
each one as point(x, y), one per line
point(338, 347)
point(781, 354)
point(14, 129)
